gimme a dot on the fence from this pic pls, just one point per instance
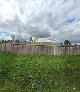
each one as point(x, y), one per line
point(48, 50)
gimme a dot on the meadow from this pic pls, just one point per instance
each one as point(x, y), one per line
point(39, 73)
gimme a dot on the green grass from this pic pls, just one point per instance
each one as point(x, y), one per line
point(39, 44)
point(39, 73)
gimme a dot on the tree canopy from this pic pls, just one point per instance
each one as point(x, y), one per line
point(67, 42)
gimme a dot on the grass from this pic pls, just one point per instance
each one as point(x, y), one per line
point(39, 44)
point(39, 73)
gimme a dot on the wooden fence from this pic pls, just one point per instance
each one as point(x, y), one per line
point(48, 50)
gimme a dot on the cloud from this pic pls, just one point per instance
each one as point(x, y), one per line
point(40, 32)
point(55, 19)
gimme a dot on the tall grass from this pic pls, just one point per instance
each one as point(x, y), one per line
point(39, 73)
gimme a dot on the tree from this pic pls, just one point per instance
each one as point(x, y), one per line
point(17, 41)
point(67, 42)
point(30, 39)
point(8, 41)
point(61, 43)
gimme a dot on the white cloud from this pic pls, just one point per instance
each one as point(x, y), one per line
point(55, 19)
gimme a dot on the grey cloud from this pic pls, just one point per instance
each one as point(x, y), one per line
point(13, 26)
point(16, 26)
point(39, 32)
point(44, 18)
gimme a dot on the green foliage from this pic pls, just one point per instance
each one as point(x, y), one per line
point(39, 73)
point(30, 39)
point(67, 42)
point(17, 41)
point(38, 44)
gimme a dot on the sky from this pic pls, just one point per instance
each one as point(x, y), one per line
point(57, 20)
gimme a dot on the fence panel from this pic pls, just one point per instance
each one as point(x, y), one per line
point(48, 50)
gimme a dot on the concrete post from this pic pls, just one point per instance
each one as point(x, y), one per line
point(55, 50)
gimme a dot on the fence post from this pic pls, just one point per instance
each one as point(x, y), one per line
point(75, 49)
point(55, 50)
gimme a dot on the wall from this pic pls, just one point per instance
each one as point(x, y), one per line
point(48, 50)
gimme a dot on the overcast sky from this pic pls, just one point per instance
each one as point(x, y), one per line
point(48, 19)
